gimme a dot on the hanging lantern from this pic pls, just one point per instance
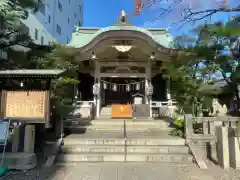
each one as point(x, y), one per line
point(149, 89)
point(104, 85)
point(96, 89)
point(137, 86)
point(128, 88)
point(21, 84)
point(114, 87)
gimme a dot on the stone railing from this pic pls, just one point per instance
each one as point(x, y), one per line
point(215, 140)
point(83, 110)
point(208, 124)
point(164, 108)
point(158, 104)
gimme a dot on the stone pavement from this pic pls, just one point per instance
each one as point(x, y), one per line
point(125, 171)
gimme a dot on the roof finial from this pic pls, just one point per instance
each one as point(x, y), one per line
point(123, 14)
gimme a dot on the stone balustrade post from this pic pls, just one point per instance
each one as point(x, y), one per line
point(16, 138)
point(29, 138)
point(223, 147)
point(59, 127)
point(188, 121)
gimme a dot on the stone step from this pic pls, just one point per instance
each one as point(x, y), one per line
point(97, 129)
point(158, 149)
point(171, 158)
point(93, 149)
point(91, 157)
point(128, 122)
point(156, 142)
point(120, 129)
point(70, 142)
point(120, 157)
point(121, 149)
point(106, 112)
point(132, 142)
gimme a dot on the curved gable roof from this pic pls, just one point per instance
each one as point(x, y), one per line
point(84, 36)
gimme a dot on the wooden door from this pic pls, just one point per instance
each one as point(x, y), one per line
point(121, 110)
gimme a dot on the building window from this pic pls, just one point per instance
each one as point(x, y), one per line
point(75, 15)
point(79, 23)
point(59, 6)
point(36, 34)
point(80, 9)
point(68, 20)
point(69, 1)
point(58, 29)
point(42, 40)
point(49, 19)
point(49, 43)
point(41, 7)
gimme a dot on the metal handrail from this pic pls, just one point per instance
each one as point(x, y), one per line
point(125, 141)
point(157, 104)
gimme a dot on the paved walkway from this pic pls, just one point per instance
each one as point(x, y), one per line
point(125, 171)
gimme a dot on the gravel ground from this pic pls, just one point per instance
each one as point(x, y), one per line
point(125, 171)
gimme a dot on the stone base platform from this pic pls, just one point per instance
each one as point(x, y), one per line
point(20, 161)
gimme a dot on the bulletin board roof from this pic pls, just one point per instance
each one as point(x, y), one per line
point(31, 73)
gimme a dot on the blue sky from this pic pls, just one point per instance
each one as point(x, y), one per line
point(102, 13)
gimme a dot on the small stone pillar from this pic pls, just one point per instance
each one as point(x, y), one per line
point(223, 147)
point(188, 127)
point(29, 138)
point(59, 128)
point(16, 138)
point(234, 152)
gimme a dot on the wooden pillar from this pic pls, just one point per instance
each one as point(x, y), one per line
point(146, 84)
point(148, 79)
point(29, 138)
point(97, 80)
point(168, 93)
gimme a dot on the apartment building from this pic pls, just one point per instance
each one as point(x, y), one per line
point(55, 21)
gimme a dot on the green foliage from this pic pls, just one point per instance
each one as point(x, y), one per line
point(178, 130)
point(62, 57)
point(191, 68)
point(12, 11)
point(13, 35)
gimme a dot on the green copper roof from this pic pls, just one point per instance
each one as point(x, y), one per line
point(83, 36)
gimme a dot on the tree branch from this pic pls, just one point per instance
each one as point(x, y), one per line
point(188, 14)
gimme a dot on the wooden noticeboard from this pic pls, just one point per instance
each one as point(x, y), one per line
point(26, 105)
point(121, 110)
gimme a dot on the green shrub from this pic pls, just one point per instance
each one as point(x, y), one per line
point(178, 125)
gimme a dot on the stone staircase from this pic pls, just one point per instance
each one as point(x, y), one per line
point(144, 141)
point(106, 113)
point(117, 125)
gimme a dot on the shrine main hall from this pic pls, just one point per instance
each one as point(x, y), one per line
point(120, 68)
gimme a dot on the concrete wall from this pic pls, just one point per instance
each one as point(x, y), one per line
point(49, 15)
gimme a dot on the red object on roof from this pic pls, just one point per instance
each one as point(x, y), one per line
point(138, 6)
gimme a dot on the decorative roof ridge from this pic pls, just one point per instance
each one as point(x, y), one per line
point(157, 29)
point(89, 28)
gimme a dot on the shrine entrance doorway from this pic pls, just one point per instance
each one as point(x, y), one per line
point(118, 94)
point(120, 90)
